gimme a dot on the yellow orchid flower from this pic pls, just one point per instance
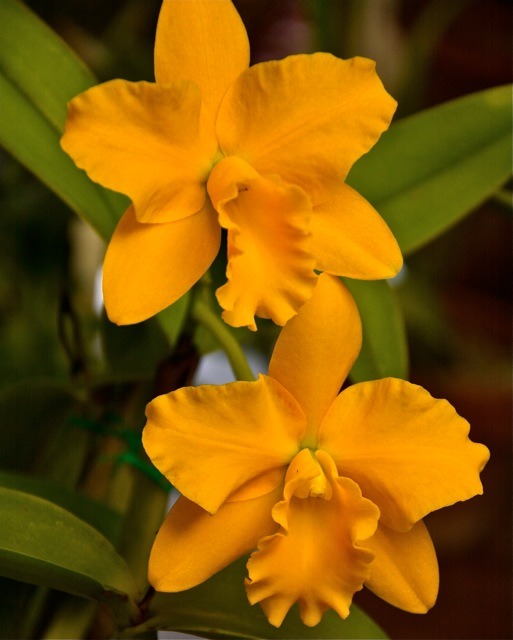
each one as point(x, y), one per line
point(262, 152)
point(329, 487)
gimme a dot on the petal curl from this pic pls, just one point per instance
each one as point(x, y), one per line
point(192, 545)
point(307, 118)
point(146, 141)
point(147, 267)
point(350, 238)
point(215, 443)
point(409, 452)
point(316, 557)
point(404, 571)
point(203, 41)
point(270, 268)
point(316, 350)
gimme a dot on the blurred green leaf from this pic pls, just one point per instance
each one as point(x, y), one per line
point(98, 515)
point(422, 41)
point(30, 414)
point(218, 608)
point(43, 544)
point(172, 319)
point(132, 351)
point(14, 599)
point(39, 74)
point(43, 67)
point(431, 169)
point(384, 350)
point(148, 506)
point(71, 617)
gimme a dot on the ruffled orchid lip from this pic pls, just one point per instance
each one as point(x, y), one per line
point(270, 270)
point(322, 566)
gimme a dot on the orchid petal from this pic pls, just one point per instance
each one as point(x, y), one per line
point(149, 266)
point(146, 141)
point(216, 443)
point(316, 350)
point(350, 238)
point(307, 117)
point(316, 557)
point(203, 41)
point(404, 571)
point(409, 453)
point(192, 545)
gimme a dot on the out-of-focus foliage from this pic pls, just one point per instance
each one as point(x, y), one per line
point(446, 161)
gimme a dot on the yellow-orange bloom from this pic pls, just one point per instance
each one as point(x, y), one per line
point(329, 487)
point(262, 152)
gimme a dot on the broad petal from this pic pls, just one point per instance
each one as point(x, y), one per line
point(147, 267)
point(316, 350)
point(350, 238)
point(203, 41)
point(409, 453)
point(316, 557)
point(215, 441)
point(146, 141)
point(270, 268)
point(404, 571)
point(192, 545)
point(307, 118)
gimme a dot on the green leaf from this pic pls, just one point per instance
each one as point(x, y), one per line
point(384, 351)
point(71, 617)
point(44, 68)
point(14, 602)
point(98, 515)
point(218, 608)
point(43, 544)
point(422, 41)
point(132, 352)
point(431, 169)
point(39, 74)
point(30, 414)
point(172, 319)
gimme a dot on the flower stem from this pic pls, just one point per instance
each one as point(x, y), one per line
point(203, 314)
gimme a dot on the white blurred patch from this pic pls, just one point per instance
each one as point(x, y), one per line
point(97, 292)
point(400, 278)
point(214, 367)
point(164, 635)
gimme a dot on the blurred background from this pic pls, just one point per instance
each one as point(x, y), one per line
point(456, 291)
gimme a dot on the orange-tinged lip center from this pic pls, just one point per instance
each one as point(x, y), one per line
point(307, 477)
